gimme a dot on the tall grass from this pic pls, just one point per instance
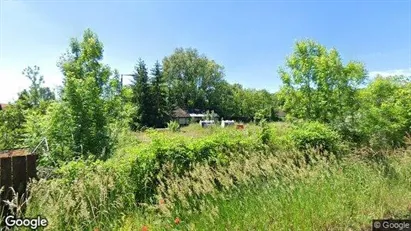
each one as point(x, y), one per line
point(272, 194)
point(260, 188)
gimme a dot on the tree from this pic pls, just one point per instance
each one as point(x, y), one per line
point(36, 93)
point(85, 83)
point(141, 97)
point(226, 107)
point(31, 104)
point(251, 103)
point(316, 84)
point(12, 121)
point(114, 97)
point(193, 80)
point(160, 113)
point(385, 114)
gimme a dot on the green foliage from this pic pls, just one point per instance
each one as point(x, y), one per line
point(194, 81)
point(384, 117)
point(250, 103)
point(88, 196)
point(260, 115)
point(182, 154)
point(115, 99)
point(59, 130)
point(159, 111)
point(265, 131)
point(12, 121)
point(328, 196)
point(96, 194)
point(173, 126)
point(36, 92)
point(20, 122)
point(141, 97)
point(92, 119)
point(317, 86)
point(307, 135)
point(87, 84)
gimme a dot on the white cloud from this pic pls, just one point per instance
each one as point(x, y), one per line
point(406, 72)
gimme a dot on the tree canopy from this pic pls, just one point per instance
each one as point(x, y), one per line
point(93, 106)
point(317, 85)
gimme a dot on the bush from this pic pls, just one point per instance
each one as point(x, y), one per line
point(385, 115)
point(173, 126)
point(265, 132)
point(315, 135)
point(350, 131)
point(182, 153)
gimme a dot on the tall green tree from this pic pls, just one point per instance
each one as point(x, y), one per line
point(226, 107)
point(317, 85)
point(193, 79)
point(160, 113)
point(248, 103)
point(385, 114)
point(141, 97)
point(85, 81)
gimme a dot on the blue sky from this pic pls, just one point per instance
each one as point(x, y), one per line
point(249, 38)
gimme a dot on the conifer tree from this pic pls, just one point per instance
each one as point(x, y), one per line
point(141, 97)
point(158, 97)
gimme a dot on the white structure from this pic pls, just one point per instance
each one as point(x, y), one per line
point(206, 123)
point(225, 123)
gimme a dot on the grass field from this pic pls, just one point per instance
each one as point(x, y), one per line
point(343, 196)
point(266, 188)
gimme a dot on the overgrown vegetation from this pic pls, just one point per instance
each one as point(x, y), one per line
point(342, 146)
point(173, 126)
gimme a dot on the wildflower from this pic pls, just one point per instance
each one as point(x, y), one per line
point(145, 228)
point(177, 220)
point(96, 229)
point(162, 201)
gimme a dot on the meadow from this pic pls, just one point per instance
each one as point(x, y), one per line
point(226, 179)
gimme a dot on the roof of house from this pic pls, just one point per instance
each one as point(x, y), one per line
point(180, 113)
point(193, 113)
point(3, 106)
point(201, 115)
point(197, 113)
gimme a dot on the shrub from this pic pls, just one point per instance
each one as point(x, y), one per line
point(183, 153)
point(265, 132)
point(259, 116)
point(315, 135)
point(350, 131)
point(173, 126)
point(385, 115)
